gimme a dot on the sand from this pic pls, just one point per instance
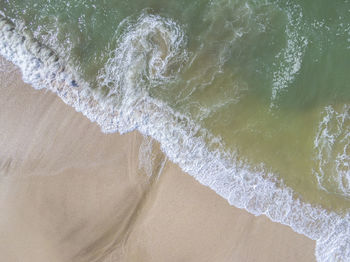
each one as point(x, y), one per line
point(68, 192)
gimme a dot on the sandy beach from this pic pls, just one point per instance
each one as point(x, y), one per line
point(68, 192)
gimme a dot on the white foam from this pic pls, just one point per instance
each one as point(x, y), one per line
point(184, 142)
point(150, 52)
point(332, 145)
point(290, 57)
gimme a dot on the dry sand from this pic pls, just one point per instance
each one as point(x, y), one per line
point(71, 193)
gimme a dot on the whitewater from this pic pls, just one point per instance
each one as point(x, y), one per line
point(151, 50)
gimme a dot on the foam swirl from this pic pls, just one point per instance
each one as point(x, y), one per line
point(150, 52)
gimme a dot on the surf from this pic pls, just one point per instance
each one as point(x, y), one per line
point(128, 72)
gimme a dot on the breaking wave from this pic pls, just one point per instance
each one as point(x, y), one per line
point(152, 50)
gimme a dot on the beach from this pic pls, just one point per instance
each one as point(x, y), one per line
point(69, 192)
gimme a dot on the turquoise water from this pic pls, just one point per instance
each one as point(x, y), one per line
point(250, 97)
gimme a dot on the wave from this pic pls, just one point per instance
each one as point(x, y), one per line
point(128, 106)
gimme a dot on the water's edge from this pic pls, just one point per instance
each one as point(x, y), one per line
point(253, 190)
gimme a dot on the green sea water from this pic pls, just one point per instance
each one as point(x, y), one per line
point(269, 79)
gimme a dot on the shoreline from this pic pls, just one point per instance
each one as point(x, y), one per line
point(63, 189)
point(212, 169)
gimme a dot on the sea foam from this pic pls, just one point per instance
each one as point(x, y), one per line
point(290, 58)
point(332, 145)
point(182, 140)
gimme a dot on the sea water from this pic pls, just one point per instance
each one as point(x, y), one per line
point(251, 97)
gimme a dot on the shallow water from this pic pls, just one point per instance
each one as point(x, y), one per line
point(250, 90)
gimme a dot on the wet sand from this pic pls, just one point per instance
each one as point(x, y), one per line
point(68, 192)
